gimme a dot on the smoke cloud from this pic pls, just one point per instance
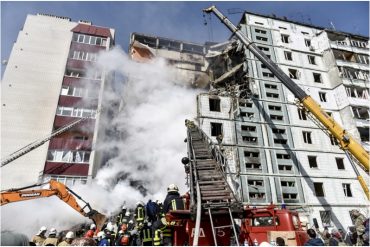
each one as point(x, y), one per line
point(146, 142)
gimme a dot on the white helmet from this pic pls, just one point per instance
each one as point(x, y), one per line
point(172, 188)
point(70, 235)
point(131, 222)
point(127, 214)
point(42, 229)
point(92, 226)
point(53, 231)
point(140, 203)
point(149, 224)
point(101, 235)
point(110, 226)
point(124, 207)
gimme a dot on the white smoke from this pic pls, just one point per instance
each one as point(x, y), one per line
point(156, 103)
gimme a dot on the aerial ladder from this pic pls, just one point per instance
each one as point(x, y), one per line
point(354, 151)
point(209, 189)
point(55, 189)
point(28, 148)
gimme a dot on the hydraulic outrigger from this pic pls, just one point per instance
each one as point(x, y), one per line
point(353, 150)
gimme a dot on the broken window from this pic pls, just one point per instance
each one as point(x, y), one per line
point(247, 114)
point(312, 161)
point(288, 55)
point(364, 59)
point(360, 44)
point(364, 133)
point(284, 28)
point(347, 190)
point(319, 189)
point(276, 117)
point(270, 86)
point(357, 92)
point(216, 129)
point(267, 74)
point(245, 104)
point(193, 48)
point(307, 137)
point(302, 114)
point(311, 59)
point(251, 154)
point(317, 77)
point(258, 195)
point(248, 128)
point(285, 38)
point(256, 166)
point(285, 167)
point(340, 163)
point(293, 73)
point(262, 48)
point(278, 131)
point(307, 42)
point(360, 112)
point(255, 182)
point(260, 31)
point(287, 183)
point(264, 39)
point(322, 96)
point(333, 140)
point(344, 55)
point(280, 141)
point(274, 108)
point(289, 196)
point(283, 156)
point(272, 95)
point(214, 104)
point(250, 139)
point(325, 218)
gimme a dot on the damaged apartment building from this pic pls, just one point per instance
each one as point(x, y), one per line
point(275, 152)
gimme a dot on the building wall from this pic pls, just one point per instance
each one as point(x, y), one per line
point(36, 66)
point(273, 156)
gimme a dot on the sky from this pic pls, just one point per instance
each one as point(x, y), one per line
point(180, 20)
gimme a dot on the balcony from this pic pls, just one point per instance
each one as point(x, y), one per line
point(87, 47)
point(71, 169)
point(69, 143)
point(78, 64)
point(77, 81)
point(71, 101)
point(63, 120)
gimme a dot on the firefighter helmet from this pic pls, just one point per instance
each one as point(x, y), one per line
point(70, 235)
point(53, 231)
point(140, 203)
point(42, 229)
point(127, 214)
point(101, 235)
point(92, 227)
point(172, 188)
point(124, 207)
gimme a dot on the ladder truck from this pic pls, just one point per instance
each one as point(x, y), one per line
point(353, 150)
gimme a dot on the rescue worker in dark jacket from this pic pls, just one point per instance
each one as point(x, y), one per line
point(146, 234)
point(139, 213)
point(173, 199)
point(313, 241)
point(121, 215)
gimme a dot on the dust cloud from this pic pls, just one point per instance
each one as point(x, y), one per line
point(145, 140)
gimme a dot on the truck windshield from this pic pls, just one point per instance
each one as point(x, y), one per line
point(265, 221)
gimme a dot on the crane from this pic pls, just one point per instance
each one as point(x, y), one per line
point(347, 143)
point(56, 189)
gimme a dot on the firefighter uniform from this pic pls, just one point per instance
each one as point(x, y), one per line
point(38, 240)
point(157, 237)
point(167, 235)
point(50, 241)
point(139, 214)
point(146, 235)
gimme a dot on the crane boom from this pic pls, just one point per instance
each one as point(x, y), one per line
point(56, 189)
point(346, 142)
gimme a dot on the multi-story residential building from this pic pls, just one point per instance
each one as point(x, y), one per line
point(187, 58)
point(275, 153)
point(47, 84)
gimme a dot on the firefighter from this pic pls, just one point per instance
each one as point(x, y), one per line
point(68, 240)
point(52, 238)
point(110, 234)
point(139, 213)
point(102, 239)
point(39, 238)
point(157, 237)
point(146, 234)
point(173, 199)
point(121, 215)
point(359, 224)
point(90, 233)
